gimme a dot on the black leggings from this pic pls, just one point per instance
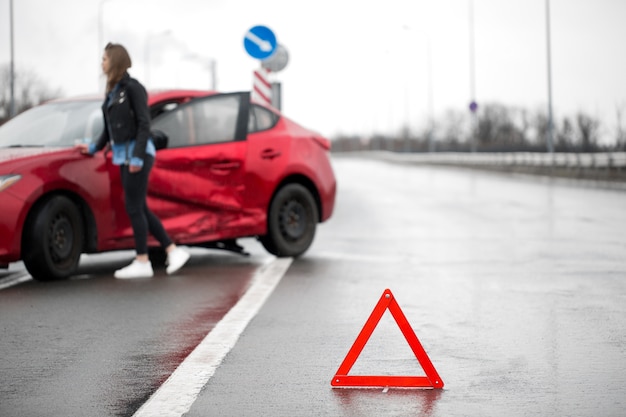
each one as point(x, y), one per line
point(141, 218)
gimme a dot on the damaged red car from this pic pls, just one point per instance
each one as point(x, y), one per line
point(226, 168)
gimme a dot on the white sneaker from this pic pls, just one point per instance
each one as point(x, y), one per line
point(176, 259)
point(136, 269)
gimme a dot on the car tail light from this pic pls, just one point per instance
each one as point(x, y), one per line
point(323, 142)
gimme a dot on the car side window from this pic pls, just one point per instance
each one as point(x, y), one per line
point(261, 119)
point(200, 122)
point(164, 107)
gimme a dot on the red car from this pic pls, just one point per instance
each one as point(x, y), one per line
point(226, 168)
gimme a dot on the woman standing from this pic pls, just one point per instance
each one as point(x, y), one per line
point(127, 132)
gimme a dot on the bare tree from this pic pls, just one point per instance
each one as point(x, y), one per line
point(588, 131)
point(453, 128)
point(507, 129)
point(488, 122)
point(620, 131)
point(565, 137)
point(500, 127)
point(540, 127)
point(29, 91)
point(525, 125)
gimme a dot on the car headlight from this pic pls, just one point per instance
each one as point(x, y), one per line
point(7, 180)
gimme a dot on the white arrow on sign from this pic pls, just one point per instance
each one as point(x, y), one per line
point(263, 45)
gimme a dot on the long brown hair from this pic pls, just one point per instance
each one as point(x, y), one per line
point(119, 62)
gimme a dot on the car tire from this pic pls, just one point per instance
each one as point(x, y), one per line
point(291, 222)
point(53, 239)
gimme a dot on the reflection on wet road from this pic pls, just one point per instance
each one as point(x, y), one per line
point(98, 346)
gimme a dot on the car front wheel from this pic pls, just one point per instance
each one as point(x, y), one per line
point(291, 222)
point(53, 239)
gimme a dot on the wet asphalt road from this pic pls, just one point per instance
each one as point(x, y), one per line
point(515, 287)
point(96, 346)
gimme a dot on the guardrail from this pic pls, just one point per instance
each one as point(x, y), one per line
point(606, 166)
point(604, 160)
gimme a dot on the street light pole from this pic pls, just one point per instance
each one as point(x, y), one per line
point(12, 66)
point(431, 106)
point(430, 95)
point(473, 109)
point(100, 36)
point(550, 145)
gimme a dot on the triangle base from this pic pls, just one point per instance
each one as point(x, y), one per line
point(342, 379)
point(384, 381)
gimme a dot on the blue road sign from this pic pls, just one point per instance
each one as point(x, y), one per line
point(260, 42)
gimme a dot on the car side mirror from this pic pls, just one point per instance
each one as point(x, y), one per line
point(159, 138)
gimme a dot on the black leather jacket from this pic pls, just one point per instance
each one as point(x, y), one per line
point(126, 117)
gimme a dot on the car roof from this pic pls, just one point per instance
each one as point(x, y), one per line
point(163, 95)
point(157, 95)
point(153, 95)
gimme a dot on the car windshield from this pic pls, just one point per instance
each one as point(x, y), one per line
point(54, 124)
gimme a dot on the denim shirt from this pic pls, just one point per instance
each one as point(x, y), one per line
point(121, 151)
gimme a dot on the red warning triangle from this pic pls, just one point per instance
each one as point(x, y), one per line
point(342, 379)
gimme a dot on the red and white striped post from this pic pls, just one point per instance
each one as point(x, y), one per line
point(262, 87)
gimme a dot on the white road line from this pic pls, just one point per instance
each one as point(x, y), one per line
point(177, 394)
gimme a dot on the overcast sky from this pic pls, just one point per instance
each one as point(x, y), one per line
point(355, 66)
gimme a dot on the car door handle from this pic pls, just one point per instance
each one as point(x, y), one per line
point(269, 154)
point(225, 166)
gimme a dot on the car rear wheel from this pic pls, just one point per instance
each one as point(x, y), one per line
point(291, 222)
point(53, 239)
